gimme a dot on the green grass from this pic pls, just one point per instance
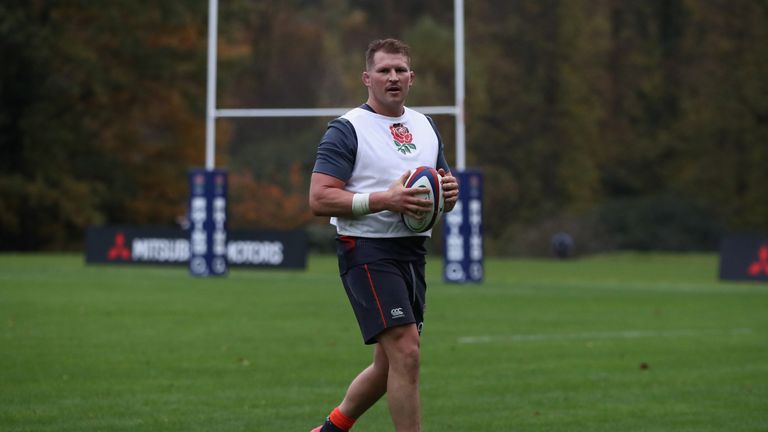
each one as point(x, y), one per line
point(540, 346)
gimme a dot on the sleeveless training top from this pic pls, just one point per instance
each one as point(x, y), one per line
point(369, 151)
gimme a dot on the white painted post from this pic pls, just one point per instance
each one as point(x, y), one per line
point(458, 44)
point(210, 111)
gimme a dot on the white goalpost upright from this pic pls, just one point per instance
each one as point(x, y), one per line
point(458, 49)
point(213, 113)
point(210, 104)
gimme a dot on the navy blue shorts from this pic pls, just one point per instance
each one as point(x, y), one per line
point(384, 292)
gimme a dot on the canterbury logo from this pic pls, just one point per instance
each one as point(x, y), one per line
point(397, 313)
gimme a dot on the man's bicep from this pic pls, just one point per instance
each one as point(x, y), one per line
point(321, 181)
point(326, 194)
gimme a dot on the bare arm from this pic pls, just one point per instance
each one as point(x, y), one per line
point(327, 197)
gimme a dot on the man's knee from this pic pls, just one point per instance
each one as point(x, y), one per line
point(402, 345)
point(409, 360)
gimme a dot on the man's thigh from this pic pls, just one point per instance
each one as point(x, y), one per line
point(383, 295)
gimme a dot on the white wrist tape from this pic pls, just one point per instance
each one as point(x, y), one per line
point(360, 203)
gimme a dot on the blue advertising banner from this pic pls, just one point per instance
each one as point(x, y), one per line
point(744, 258)
point(161, 245)
point(463, 232)
point(207, 222)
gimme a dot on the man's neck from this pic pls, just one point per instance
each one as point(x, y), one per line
point(397, 112)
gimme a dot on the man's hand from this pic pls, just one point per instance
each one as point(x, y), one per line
point(401, 199)
point(450, 190)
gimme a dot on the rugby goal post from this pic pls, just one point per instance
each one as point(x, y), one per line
point(462, 235)
point(213, 113)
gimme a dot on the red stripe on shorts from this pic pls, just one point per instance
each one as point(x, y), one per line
point(373, 289)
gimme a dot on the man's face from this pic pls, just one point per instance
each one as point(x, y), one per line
point(388, 80)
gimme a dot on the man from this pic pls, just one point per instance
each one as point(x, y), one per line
point(362, 162)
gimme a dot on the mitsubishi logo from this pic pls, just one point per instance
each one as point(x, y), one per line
point(118, 250)
point(761, 265)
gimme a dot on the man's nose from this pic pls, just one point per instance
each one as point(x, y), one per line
point(392, 76)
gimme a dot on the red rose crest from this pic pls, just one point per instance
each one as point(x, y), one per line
point(403, 138)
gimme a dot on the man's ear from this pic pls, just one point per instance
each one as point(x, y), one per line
point(366, 79)
point(413, 77)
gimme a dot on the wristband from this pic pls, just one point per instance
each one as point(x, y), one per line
point(360, 203)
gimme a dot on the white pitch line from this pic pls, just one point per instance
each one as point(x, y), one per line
point(626, 334)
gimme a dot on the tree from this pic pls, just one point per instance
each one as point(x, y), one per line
point(102, 104)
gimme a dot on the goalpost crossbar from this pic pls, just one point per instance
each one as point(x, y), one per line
point(316, 112)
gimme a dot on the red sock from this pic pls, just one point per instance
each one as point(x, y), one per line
point(340, 420)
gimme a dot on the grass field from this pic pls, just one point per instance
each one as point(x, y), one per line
point(608, 343)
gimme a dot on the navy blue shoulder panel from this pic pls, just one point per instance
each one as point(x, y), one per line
point(337, 150)
point(441, 162)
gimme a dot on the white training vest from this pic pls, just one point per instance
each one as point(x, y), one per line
point(386, 148)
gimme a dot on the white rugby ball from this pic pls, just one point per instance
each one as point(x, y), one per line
point(426, 178)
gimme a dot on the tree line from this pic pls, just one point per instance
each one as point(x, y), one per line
point(629, 124)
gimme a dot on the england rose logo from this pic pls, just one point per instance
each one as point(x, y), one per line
point(403, 138)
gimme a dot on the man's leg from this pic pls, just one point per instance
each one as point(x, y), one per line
point(368, 387)
point(395, 369)
point(401, 346)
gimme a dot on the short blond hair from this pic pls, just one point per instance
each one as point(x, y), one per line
point(390, 46)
